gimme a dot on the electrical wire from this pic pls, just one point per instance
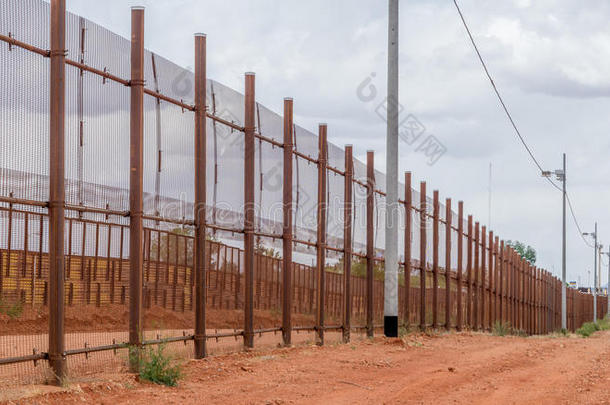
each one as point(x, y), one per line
point(512, 122)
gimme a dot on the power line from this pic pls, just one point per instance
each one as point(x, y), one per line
point(580, 232)
point(510, 118)
point(512, 122)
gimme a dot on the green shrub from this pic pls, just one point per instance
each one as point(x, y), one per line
point(604, 324)
point(159, 368)
point(501, 328)
point(587, 329)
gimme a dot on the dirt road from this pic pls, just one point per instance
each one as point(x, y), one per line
point(463, 368)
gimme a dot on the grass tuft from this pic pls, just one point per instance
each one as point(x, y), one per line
point(158, 367)
point(501, 328)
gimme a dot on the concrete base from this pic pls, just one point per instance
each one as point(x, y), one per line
point(390, 326)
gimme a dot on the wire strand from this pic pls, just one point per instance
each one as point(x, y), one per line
point(512, 122)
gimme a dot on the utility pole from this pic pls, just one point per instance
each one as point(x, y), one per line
point(594, 289)
point(390, 307)
point(608, 285)
point(595, 277)
point(561, 176)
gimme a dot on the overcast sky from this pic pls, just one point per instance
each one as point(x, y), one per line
point(550, 59)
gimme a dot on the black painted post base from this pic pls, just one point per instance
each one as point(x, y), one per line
point(390, 326)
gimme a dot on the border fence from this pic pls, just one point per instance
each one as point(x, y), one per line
point(141, 203)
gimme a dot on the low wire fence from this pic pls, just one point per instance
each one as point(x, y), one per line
point(141, 203)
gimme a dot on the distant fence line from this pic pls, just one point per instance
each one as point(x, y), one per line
point(456, 274)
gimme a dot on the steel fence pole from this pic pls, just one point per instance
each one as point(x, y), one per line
point(460, 247)
point(370, 246)
point(249, 209)
point(501, 278)
point(136, 184)
point(287, 225)
point(483, 275)
point(408, 253)
point(490, 270)
point(347, 243)
point(57, 360)
point(422, 255)
point(476, 276)
point(448, 214)
point(200, 262)
point(321, 233)
point(435, 223)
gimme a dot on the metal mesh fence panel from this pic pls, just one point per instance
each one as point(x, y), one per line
point(97, 237)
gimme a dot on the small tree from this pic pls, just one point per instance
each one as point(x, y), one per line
point(526, 252)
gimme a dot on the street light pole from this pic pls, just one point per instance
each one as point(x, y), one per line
point(594, 234)
point(595, 277)
point(561, 175)
point(564, 300)
point(608, 285)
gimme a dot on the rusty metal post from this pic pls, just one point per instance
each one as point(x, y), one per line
point(476, 308)
point(422, 255)
point(408, 264)
point(490, 271)
point(136, 184)
point(496, 279)
point(287, 226)
point(57, 361)
point(460, 246)
point(435, 221)
point(249, 208)
point(502, 294)
point(347, 243)
point(448, 218)
point(321, 245)
point(509, 285)
point(370, 244)
point(200, 195)
point(483, 275)
point(469, 273)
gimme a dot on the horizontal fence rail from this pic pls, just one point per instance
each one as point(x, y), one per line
point(187, 214)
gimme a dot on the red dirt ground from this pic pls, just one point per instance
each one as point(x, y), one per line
point(463, 368)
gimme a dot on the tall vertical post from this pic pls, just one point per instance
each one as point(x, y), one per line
point(501, 293)
point(370, 244)
point(408, 264)
point(490, 271)
point(287, 226)
point(249, 125)
point(608, 285)
point(460, 246)
point(483, 274)
point(476, 308)
point(422, 254)
point(390, 302)
point(321, 246)
point(435, 221)
point(347, 243)
point(57, 361)
point(200, 194)
point(564, 318)
point(448, 218)
point(469, 274)
point(595, 276)
point(136, 183)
